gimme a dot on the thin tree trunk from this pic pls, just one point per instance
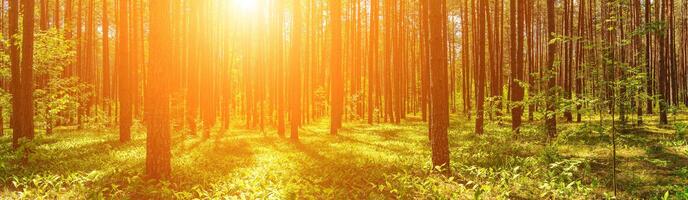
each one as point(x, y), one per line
point(124, 73)
point(481, 11)
point(337, 88)
point(516, 91)
point(280, 68)
point(106, 58)
point(550, 116)
point(15, 83)
point(56, 14)
point(295, 72)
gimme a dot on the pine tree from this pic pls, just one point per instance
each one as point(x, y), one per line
point(337, 90)
point(438, 76)
point(157, 95)
point(295, 72)
point(124, 73)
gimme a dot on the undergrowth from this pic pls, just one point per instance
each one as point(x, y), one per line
point(364, 161)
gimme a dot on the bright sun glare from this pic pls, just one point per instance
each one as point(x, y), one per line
point(245, 5)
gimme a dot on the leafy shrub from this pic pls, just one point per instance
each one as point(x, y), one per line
point(654, 149)
point(682, 172)
point(77, 185)
point(681, 130)
point(561, 182)
point(405, 185)
point(56, 97)
point(550, 154)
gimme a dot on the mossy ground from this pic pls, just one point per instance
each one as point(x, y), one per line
point(364, 161)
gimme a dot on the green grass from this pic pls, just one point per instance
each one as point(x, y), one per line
point(364, 161)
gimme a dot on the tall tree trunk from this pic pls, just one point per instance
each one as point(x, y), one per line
point(295, 72)
point(389, 6)
point(568, 55)
point(580, 59)
point(648, 60)
point(550, 116)
point(3, 11)
point(157, 95)
point(495, 58)
point(15, 83)
point(516, 92)
point(466, 58)
point(337, 88)
point(89, 68)
point(56, 15)
point(480, 35)
point(440, 102)
point(192, 94)
point(106, 58)
point(279, 58)
point(26, 86)
point(124, 72)
point(44, 15)
point(68, 26)
point(372, 59)
point(530, 58)
point(208, 114)
point(671, 36)
point(136, 55)
point(663, 84)
point(637, 52)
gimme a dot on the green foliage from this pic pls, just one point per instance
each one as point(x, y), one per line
point(681, 131)
point(561, 181)
point(52, 54)
point(654, 149)
point(354, 105)
point(320, 99)
point(682, 172)
point(5, 74)
point(550, 155)
point(56, 97)
point(56, 100)
point(379, 162)
point(98, 120)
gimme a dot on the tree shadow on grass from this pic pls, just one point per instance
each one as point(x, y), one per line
point(211, 163)
point(635, 177)
point(52, 159)
point(640, 175)
point(627, 136)
point(117, 163)
point(345, 174)
point(404, 151)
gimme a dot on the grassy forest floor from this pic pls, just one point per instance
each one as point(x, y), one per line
point(364, 161)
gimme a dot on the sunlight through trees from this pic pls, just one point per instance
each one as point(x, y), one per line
point(462, 94)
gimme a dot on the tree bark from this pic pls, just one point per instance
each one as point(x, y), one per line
point(337, 88)
point(516, 90)
point(280, 68)
point(27, 85)
point(372, 59)
point(550, 116)
point(106, 58)
point(480, 35)
point(124, 73)
point(15, 83)
point(295, 72)
point(440, 107)
point(157, 93)
point(44, 15)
